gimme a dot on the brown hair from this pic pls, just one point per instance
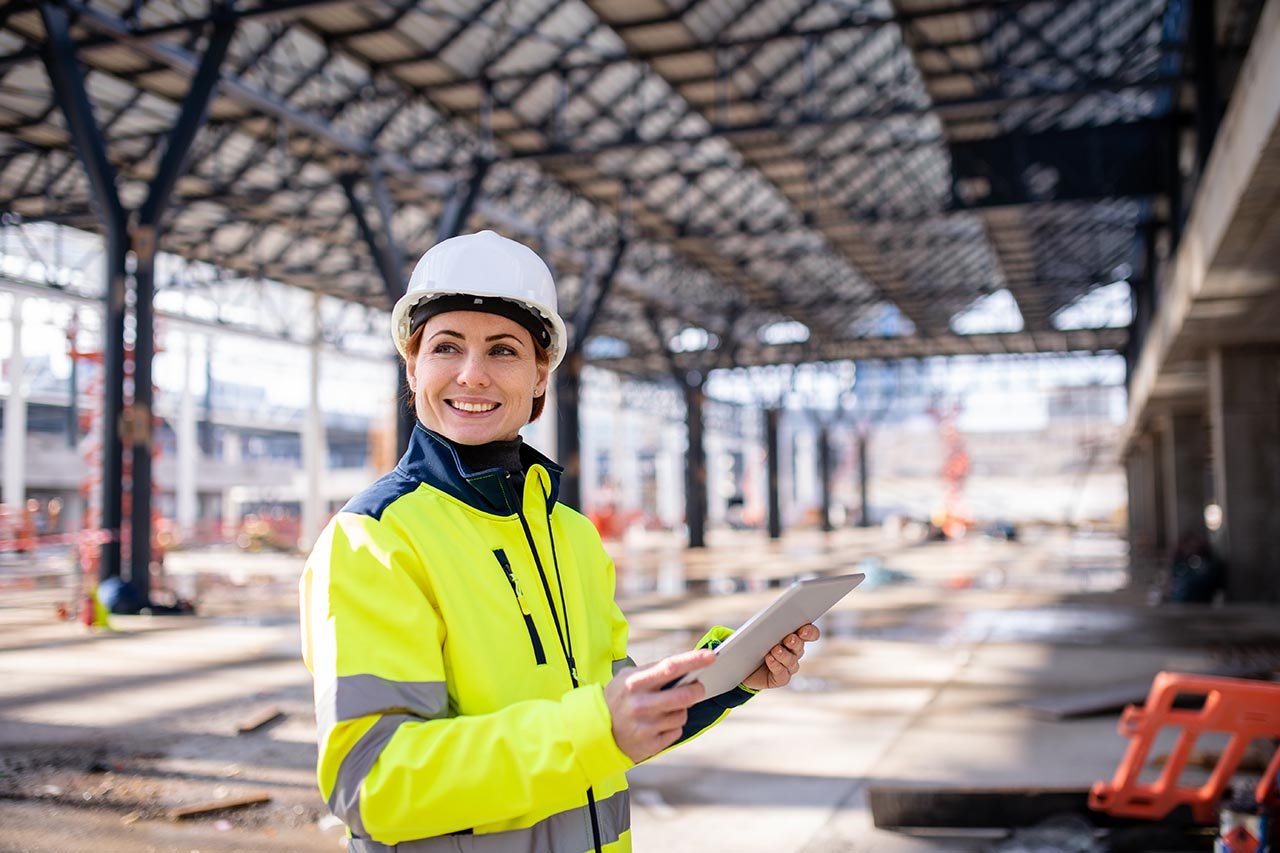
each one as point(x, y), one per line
point(540, 355)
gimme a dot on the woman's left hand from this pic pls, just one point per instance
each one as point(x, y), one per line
point(782, 661)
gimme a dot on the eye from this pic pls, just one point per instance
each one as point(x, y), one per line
point(502, 349)
point(444, 347)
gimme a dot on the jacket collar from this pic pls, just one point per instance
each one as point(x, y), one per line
point(432, 459)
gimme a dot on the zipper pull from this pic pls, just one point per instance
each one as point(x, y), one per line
point(524, 605)
point(573, 670)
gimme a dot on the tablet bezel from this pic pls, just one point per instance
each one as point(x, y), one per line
point(799, 604)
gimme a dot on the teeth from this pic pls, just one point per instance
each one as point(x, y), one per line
point(474, 407)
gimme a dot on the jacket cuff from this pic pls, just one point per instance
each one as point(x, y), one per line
point(735, 697)
point(591, 730)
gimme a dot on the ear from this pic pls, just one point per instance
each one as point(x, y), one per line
point(540, 386)
point(411, 373)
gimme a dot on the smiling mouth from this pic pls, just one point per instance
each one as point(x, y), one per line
point(472, 408)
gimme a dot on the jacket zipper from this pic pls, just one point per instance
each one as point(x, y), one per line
point(564, 643)
point(539, 654)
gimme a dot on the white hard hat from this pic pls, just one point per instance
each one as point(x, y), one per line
point(486, 266)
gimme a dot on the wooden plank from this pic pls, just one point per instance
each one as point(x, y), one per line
point(202, 809)
point(257, 721)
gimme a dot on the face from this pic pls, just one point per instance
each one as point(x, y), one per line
point(475, 376)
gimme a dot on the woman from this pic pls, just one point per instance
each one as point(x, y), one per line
point(473, 690)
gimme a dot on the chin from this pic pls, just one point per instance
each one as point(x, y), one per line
point(476, 434)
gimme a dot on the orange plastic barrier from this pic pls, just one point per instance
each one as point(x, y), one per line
point(1241, 708)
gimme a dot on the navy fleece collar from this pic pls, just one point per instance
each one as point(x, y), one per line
point(433, 459)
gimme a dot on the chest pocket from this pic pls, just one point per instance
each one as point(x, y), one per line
point(539, 653)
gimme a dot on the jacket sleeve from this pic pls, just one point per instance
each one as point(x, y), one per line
point(393, 763)
point(708, 712)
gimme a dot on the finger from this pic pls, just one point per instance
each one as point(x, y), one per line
point(655, 676)
point(649, 704)
point(784, 657)
point(793, 644)
point(809, 633)
point(667, 737)
point(777, 670)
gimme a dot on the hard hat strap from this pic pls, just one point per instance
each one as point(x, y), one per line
point(514, 311)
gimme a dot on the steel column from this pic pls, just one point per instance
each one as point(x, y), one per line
point(864, 509)
point(389, 260)
point(1208, 111)
point(772, 419)
point(695, 466)
point(824, 478)
point(568, 381)
point(67, 80)
point(568, 378)
point(145, 241)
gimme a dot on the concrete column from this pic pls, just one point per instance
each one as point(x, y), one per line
point(668, 473)
point(624, 464)
point(188, 445)
point(1147, 542)
point(1184, 461)
point(804, 469)
point(15, 416)
point(313, 440)
point(1244, 415)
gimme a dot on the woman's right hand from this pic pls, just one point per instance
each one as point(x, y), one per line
point(646, 718)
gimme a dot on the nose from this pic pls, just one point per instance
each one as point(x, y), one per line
point(472, 372)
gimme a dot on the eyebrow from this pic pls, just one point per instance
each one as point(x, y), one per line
point(451, 333)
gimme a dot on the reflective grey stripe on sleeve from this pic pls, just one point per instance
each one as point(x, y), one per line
point(351, 697)
point(619, 665)
point(345, 799)
point(566, 832)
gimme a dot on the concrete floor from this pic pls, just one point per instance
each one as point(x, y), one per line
point(918, 680)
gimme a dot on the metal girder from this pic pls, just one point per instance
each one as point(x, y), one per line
point(389, 260)
point(145, 244)
point(1008, 343)
point(267, 11)
point(868, 116)
point(68, 83)
point(587, 312)
point(853, 249)
point(382, 245)
point(1084, 163)
point(568, 379)
point(466, 192)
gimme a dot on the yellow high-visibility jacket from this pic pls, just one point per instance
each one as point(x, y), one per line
point(460, 636)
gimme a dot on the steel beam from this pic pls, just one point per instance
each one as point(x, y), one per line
point(568, 399)
point(695, 463)
point(462, 200)
point(870, 115)
point(568, 378)
point(772, 419)
point(68, 84)
point(275, 10)
point(389, 261)
point(146, 238)
point(1208, 110)
point(824, 479)
point(864, 508)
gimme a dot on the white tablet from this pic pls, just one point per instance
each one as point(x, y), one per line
point(740, 655)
